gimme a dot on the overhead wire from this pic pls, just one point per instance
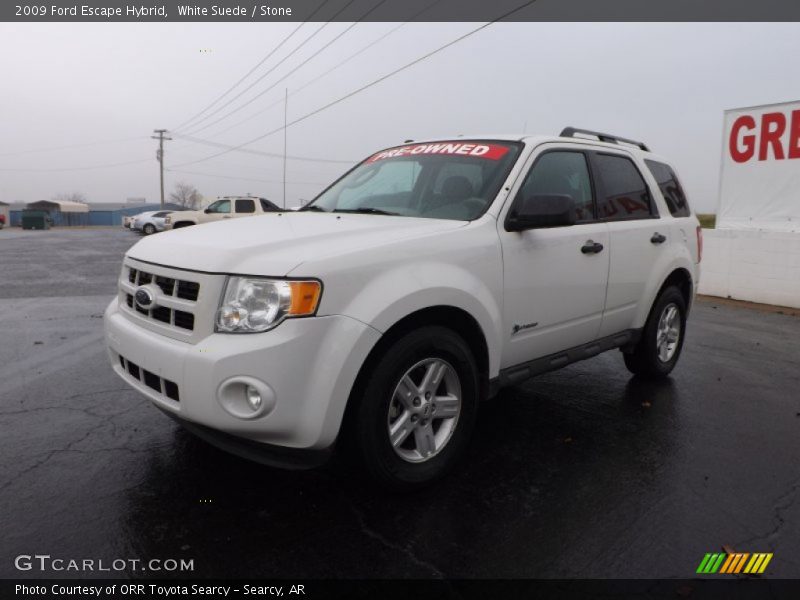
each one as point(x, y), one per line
point(218, 176)
point(253, 69)
point(328, 71)
point(264, 153)
point(268, 72)
point(362, 88)
point(292, 72)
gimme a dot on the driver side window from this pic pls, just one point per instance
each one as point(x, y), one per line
point(220, 206)
point(562, 173)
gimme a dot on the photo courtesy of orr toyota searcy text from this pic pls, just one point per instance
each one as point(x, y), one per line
point(139, 590)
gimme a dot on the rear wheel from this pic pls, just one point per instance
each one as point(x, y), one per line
point(661, 343)
point(182, 224)
point(149, 229)
point(415, 416)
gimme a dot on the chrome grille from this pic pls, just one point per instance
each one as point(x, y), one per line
point(178, 318)
point(187, 290)
point(184, 301)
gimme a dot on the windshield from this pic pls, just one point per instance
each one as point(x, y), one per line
point(442, 180)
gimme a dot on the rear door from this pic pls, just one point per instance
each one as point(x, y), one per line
point(554, 290)
point(637, 236)
point(245, 207)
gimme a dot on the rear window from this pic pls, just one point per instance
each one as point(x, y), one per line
point(245, 206)
point(670, 188)
point(624, 193)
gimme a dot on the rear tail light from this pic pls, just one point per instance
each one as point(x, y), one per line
point(699, 243)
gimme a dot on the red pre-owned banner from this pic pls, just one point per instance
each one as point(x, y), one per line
point(485, 151)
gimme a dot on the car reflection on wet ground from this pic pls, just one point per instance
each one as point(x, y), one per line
point(585, 472)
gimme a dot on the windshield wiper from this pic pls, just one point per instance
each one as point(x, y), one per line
point(367, 210)
point(313, 207)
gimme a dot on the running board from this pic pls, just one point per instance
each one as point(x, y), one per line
point(519, 373)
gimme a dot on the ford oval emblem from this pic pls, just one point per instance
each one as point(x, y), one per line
point(144, 297)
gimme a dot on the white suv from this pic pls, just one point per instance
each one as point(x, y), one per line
point(425, 279)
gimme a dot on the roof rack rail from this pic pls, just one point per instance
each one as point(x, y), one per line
point(603, 137)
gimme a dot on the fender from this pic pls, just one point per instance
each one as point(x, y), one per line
point(453, 268)
point(677, 258)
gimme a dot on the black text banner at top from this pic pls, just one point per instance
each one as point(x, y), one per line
point(400, 11)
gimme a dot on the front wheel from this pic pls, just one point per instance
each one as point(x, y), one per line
point(415, 416)
point(661, 343)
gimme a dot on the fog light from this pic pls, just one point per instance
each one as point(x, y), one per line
point(246, 397)
point(253, 398)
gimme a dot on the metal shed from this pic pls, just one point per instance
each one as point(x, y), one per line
point(63, 212)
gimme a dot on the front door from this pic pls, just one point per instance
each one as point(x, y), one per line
point(554, 278)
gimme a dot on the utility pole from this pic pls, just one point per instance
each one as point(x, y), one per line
point(160, 157)
point(285, 113)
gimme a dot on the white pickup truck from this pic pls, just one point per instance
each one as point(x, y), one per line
point(229, 207)
point(422, 281)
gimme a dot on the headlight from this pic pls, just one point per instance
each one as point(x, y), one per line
point(253, 304)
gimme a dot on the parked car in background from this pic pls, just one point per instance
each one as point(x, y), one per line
point(224, 208)
point(150, 222)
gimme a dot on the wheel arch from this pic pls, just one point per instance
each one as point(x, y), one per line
point(457, 319)
point(679, 277)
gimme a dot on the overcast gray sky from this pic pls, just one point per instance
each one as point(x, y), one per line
point(67, 84)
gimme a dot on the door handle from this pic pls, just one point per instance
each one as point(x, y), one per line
point(658, 238)
point(591, 247)
point(226, 217)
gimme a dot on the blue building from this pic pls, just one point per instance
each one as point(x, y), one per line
point(76, 213)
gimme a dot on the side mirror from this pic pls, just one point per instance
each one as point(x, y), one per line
point(543, 210)
point(207, 211)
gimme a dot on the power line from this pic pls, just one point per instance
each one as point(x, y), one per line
point(105, 166)
point(262, 152)
point(217, 176)
point(364, 87)
point(331, 70)
point(71, 146)
point(278, 64)
point(293, 71)
point(257, 65)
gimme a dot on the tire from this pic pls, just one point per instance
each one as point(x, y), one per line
point(394, 396)
point(149, 229)
point(655, 355)
point(182, 224)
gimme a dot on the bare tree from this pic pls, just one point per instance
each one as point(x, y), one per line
point(70, 197)
point(186, 195)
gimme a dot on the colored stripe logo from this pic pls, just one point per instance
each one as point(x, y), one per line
point(732, 564)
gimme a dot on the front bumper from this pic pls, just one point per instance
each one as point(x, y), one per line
point(309, 364)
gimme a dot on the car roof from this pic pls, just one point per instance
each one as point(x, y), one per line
point(537, 139)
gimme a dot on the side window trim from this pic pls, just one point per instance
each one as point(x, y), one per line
point(654, 214)
point(518, 196)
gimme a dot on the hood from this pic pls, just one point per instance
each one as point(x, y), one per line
point(275, 243)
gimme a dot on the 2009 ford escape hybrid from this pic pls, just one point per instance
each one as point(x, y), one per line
point(422, 281)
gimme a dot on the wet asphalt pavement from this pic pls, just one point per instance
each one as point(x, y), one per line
point(584, 472)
